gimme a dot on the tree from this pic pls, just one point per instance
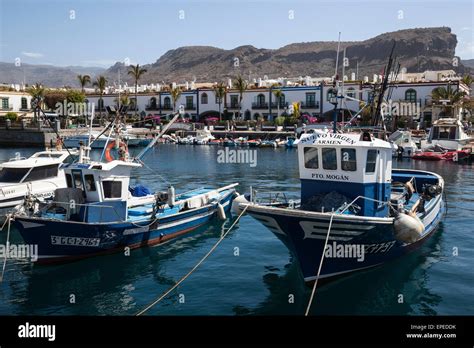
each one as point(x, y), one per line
point(241, 85)
point(448, 98)
point(37, 93)
point(467, 80)
point(220, 92)
point(83, 81)
point(175, 94)
point(12, 116)
point(278, 95)
point(100, 84)
point(136, 72)
point(53, 97)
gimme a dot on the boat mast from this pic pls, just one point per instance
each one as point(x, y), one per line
point(383, 88)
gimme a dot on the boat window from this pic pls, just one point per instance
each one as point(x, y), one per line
point(311, 157)
point(329, 159)
point(89, 182)
point(43, 172)
point(49, 155)
point(69, 180)
point(371, 161)
point(348, 160)
point(112, 189)
point(70, 159)
point(77, 179)
point(12, 174)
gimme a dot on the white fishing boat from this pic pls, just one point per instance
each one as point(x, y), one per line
point(40, 175)
point(406, 146)
point(448, 133)
point(203, 137)
point(100, 140)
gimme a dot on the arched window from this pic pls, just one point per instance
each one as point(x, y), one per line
point(260, 100)
point(167, 103)
point(351, 92)
point(204, 98)
point(281, 101)
point(332, 93)
point(24, 103)
point(152, 103)
point(100, 104)
point(410, 95)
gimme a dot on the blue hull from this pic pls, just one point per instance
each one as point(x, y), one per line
point(305, 234)
point(60, 241)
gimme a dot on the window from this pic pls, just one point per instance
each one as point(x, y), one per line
point(371, 161)
point(234, 101)
point(112, 189)
point(281, 101)
point(410, 95)
point(167, 103)
point(444, 133)
point(90, 183)
point(329, 159)
point(152, 104)
point(351, 92)
point(43, 172)
point(218, 100)
point(310, 99)
point(204, 98)
point(189, 103)
point(260, 100)
point(332, 93)
point(5, 103)
point(69, 180)
point(348, 160)
point(77, 179)
point(311, 158)
point(100, 104)
point(24, 103)
point(12, 174)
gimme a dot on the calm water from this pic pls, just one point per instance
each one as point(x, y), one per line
point(262, 277)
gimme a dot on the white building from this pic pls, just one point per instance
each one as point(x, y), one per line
point(15, 101)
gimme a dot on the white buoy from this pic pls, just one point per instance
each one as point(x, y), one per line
point(236, 208)
point(221, 212)
point(171, 196)
point(408, 228)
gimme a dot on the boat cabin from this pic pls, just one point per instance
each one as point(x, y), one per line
point(448, 133)
point(350, 165)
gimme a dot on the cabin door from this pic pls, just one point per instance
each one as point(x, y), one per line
point(379, 187)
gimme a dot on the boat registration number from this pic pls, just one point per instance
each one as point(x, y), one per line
point(75, 241)
point(378, 248)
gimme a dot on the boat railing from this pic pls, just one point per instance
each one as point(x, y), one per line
point(346, 206)
point(71, 206)
point(272, 198)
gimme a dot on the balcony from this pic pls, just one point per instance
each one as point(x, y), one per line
point(167, 107)
point(152, 107)
point(282, 105)
point(259, 106)
point(9, 108)
point(190, 107)
point(310, 105)
point(233, 106)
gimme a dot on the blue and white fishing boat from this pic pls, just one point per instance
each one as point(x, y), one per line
point(99, 212)
point(353, 206)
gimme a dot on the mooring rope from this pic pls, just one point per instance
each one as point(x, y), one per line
point(194, 268)
point(7, 244)
point(319, 269)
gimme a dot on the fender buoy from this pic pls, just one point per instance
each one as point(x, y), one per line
point(122, 151)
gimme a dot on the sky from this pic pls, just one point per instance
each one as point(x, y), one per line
point(102, 32)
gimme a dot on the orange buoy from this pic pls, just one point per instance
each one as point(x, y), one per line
point(122, 151)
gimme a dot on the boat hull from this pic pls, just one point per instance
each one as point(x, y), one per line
point(304, 233)
point(62, 241)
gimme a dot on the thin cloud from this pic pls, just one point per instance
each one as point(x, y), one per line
point(33, 54)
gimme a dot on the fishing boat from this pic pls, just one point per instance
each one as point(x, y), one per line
point(41, 174)
point(351, 202)
point(229, 142)
point(448, 133)
point(406, 146)
point(203, 137)
point(254, 142)
point(100, 212)
point(100, 140)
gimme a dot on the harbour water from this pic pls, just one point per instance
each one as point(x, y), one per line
point(250, 272)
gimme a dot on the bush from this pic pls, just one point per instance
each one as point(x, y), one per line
point(291, 121)
point(279, 121)
point(12, 116)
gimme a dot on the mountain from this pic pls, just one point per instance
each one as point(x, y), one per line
point(417, 50)
point(47, 75)
point(468, 63)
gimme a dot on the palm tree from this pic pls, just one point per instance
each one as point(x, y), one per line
point(448, 97)
point(37, 93)
point(241, 85)
point(468, 80)
point(278, 95)
point(220, 91)
point(136, 71)
point(175, 94)
point(100, 84)
point(83, 81)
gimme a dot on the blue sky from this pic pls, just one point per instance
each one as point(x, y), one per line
point(101, 32)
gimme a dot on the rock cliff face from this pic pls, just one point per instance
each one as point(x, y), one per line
point(416, 49)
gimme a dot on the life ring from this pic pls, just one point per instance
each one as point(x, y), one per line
point(122, 151)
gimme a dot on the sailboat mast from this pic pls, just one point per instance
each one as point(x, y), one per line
point(383, 88)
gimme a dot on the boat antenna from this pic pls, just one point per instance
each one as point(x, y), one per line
point(152, 143)
point(383, 88)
